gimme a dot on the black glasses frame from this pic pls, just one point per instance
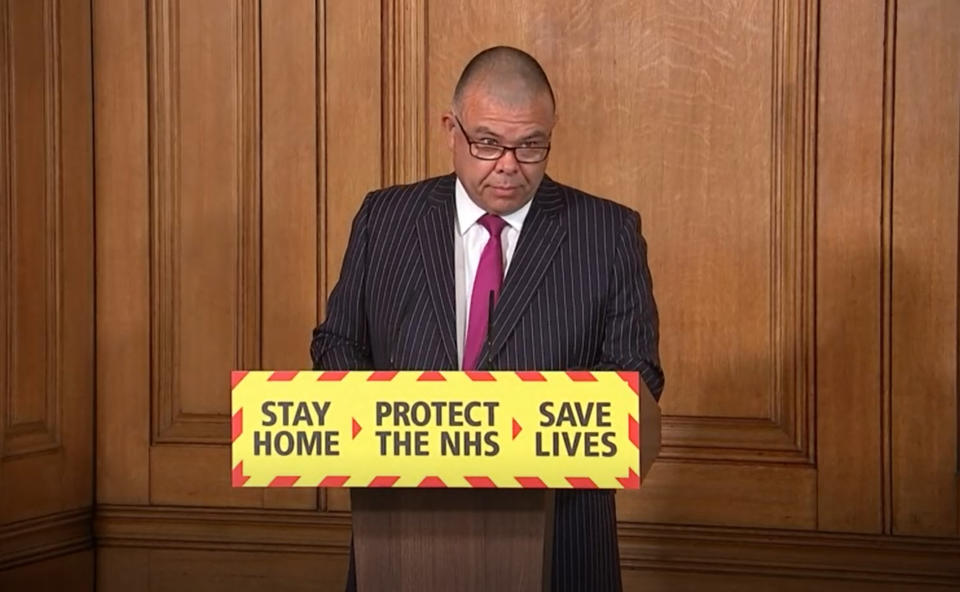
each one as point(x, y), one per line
point(502, 149)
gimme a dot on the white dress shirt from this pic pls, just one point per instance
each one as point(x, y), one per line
point(469, 241)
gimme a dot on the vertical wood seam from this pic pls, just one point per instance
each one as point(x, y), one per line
point(6, 224)
point(54, 227)
point(886, 271)
point(250, 183)
point(320, 51)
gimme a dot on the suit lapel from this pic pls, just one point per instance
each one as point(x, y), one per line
point(435, 230)
point(543, 232)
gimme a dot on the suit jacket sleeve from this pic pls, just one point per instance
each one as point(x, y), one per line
point(342, 341)
point(631, 325)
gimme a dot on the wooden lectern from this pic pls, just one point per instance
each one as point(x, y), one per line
point(501, 540)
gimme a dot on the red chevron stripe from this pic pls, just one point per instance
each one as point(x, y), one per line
point(480, 482)
point(581, 376)
point(284, 481)
point(356, 428)
point(236, 425)
point(480, 376)
point(235, 377)
point(283, 375)
point(237, 478)
point(432, 482)
point(332, 375)
point(581, 482)
point(531, 482)
point(381, 375)
point(431, 377)
point(516, 429)
point(631, 481)
point(333, 481)
point(631, 378)
point(530, 376)
point(384, 481)
point(633, 428)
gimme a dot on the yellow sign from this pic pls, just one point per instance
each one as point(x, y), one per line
point(572, 429)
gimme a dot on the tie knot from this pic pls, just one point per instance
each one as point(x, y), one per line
point(493, 223)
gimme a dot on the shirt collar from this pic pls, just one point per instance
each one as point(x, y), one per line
point(469, 212)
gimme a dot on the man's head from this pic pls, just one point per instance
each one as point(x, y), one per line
point(503, 98)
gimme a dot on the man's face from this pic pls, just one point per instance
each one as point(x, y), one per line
point(504, 185)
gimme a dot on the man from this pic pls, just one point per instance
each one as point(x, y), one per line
point(566, 274)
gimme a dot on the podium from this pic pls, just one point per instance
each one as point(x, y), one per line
point(457, 539)
point(412, 539)
point(450, 472)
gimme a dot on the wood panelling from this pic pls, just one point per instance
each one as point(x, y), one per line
point(163, 570)
point(849, 159)
point(664, 580)
point(46, 261)
point(924, 263)
point(30, 399)
point(46, 291)
point(796, 166)
point(720, 556)
point(289, 58)
point(73, 573)
point(724, 494)
point(404, 91)
point(352, 161)
point(223, 529)
point(659, 137)
point(701, 116)
point(214, 219)
point(36, 539)
point(123, 250)
point(846, 559)
point(195, 111)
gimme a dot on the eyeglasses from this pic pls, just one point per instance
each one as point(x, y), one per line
point(490, 151)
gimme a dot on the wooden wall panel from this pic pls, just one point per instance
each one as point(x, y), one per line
point(353, 103)
point(195, 109)
point(173, 570)
point(46, 383)
point(701, 117)
point(665, 107)
point(924, 262)
point(849, 166)
point(31, 398)
point(714, 557)
point(209, 206)
point(46, 281)
point(122, 251)
point(74, 572)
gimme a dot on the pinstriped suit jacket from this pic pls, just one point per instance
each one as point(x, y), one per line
point(577, 294)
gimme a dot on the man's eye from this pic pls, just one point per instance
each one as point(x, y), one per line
point(488, 142)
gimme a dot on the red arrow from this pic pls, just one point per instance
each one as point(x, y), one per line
point(516, 429)
point(356, 427)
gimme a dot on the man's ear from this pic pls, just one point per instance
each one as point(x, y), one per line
point(449, 126)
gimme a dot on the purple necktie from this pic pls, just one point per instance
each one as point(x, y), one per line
point(488, 279)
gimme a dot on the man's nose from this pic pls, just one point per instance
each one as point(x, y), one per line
point(507, 163)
